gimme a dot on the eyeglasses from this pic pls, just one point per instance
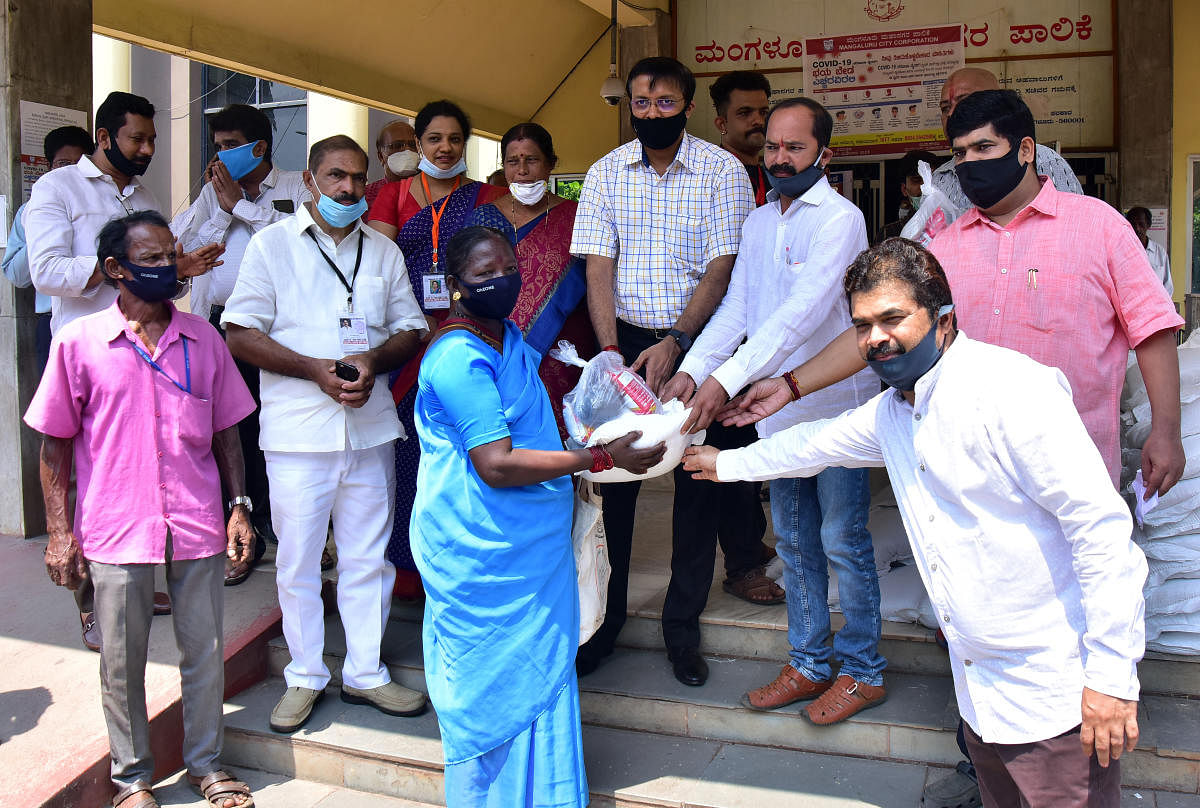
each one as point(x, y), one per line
point(667, 106)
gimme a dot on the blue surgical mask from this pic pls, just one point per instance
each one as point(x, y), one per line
point(903, 370)
point(494, 298)
point(340, 215)
point(442, 173)
point(797, 184)
point(151, 284)
point(240, 160)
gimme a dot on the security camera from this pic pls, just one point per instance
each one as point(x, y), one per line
point(612, 90)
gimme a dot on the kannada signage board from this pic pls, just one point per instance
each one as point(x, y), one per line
point(1018, 40)
point(37, 121)
point(882, 88)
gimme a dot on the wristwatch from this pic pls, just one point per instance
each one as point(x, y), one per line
point(242, 500)
point(685, 342)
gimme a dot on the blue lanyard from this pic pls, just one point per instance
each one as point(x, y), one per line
point(187, 365)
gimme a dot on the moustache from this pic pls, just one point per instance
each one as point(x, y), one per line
point(346, 199)
point(782, 170)
point(877, 351)
point(757, 130)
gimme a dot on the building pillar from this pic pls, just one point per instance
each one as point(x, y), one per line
point(328, 116)
point(46, 57)
point(1145, 98)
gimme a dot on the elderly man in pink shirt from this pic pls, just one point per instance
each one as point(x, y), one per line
point(147, 400)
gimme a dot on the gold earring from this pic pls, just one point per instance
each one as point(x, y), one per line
point(457, 296)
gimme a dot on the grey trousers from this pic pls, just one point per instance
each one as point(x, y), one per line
point(124, 608)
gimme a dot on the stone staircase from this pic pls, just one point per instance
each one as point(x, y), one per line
point(654, 742)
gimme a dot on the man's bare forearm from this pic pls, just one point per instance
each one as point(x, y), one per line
point(836, 361)
point(55, 469)
point(253, 346)
point(227, 450)
point(708, 295)
point(601, 296)
point(1158, 361)
point(398, 349)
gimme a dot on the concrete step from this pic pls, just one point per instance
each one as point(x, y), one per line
point(635, 690)
point(358, 747)
point(280, 791)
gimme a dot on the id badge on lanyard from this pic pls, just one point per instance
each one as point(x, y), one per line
point(434, 294)
point(352, 332)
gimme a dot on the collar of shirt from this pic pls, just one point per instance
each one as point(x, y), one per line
point(682, 154)
point(815, 195)
point(303, 220)
point(90, 170)
point(1046, 202)
point(115, 325)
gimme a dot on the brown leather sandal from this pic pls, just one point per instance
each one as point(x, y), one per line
point(137, 795)
point(220, 786)
point(788, 687)
point(845, 698)
point(755, 587)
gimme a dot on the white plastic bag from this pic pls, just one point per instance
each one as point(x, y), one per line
point(935, 213)
point(591, 559)
point(656, 427)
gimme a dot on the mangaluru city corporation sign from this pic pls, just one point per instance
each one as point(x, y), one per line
point(879, 65)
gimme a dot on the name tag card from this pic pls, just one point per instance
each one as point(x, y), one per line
point(434, 292)
point(352, 330)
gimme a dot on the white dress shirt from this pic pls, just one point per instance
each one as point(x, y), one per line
point(1022, 542)
point(1049, 163)
point(286, 290)
point(663, 231)
point(67, 209)
point(1161, 264)
point(787, 300)
point(205, 222)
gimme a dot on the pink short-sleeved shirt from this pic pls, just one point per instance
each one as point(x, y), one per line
point(1066, 283)
point(143, 447)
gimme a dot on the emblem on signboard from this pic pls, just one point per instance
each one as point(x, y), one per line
point(884, 10)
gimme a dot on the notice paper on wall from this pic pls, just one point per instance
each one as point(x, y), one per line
point(37, 121)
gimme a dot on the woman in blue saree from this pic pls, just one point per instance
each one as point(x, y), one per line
point(422, 213)
point(491, 535)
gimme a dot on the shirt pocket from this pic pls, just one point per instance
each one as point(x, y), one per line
point(685, 240)
point(370, 300)
point(1057, 302)
point(195, 426)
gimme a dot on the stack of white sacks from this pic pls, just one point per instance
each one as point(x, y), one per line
point(1170, 537)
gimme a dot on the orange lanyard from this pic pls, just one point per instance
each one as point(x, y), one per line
point(436, 212)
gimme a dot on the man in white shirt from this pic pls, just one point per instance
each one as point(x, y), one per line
point(327, 429)
point(659, 222)
point(68, 208)
point(1020, 539)
point(245, 194)
point(785, 301)
point(1139, 219)
point(959, 85)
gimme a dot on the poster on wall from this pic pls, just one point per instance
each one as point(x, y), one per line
point(882, 88)
point(1066, 44)
point(37, 121)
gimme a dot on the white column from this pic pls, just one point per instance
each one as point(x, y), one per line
point(329, 116)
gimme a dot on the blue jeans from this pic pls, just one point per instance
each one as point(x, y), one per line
point(819, 522)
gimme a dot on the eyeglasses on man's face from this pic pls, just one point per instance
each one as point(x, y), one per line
point(667, 106)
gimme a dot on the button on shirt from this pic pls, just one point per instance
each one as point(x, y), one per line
point(68, 208)
point(205, 222)
point(1022, 544)
point(1067, 283)
point(787, 300)
point(143, 447)
point(286, 290)
point(662, 231)
point(1048, 162)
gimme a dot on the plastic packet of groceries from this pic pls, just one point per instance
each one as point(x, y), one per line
point(606, 389)
point(936, 213)
point(609, 402)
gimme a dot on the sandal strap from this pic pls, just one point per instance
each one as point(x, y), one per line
point(222, 782)
point(133, 790)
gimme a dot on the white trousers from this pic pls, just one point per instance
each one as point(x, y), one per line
point(356, 487)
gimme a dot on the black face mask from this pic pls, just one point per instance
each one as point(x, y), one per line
point(659, 133)
point(986, 182)
point(118, 160)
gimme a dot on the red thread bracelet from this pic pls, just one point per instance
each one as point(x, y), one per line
point(791, 383)
point(610, 348)
point(601, 459)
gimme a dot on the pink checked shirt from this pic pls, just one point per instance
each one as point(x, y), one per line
point(1066, 283)
point(143, 447)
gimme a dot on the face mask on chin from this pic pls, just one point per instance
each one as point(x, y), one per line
point(986, 182)
point(339, 215)
point(903, 370)
point(528, 193)
point(427, 166)
point(795, 185)
point(118, 160)
point(659, 133)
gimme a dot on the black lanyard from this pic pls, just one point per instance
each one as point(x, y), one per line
point(357, 260)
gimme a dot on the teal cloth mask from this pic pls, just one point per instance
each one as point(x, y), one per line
point(340, 215)
point(240, 160)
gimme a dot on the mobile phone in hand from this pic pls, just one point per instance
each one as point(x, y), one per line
point(345, 371)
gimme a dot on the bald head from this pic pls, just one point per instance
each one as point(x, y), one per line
point(962, 83)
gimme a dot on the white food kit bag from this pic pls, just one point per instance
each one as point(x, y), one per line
point(611, 401)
